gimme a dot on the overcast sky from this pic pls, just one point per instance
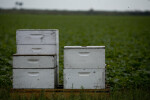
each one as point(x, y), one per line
point(109, 5)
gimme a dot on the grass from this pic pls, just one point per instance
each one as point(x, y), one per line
point(126, 39)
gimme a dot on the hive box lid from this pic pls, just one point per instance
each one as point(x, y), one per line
point(84, 47)
point(37, 30)
point(34, 54)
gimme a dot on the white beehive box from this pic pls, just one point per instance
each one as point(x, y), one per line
point(33, 61)
point(34, 78)
point(37, 36)
point(84, 78)
point(36, 49)
point(84, 57)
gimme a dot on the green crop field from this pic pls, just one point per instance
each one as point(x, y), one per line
point(127, 41)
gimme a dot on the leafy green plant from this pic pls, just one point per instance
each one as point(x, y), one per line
point(126, 39)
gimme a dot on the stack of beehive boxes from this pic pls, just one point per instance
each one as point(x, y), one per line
point(36, 64)
point(84, 67)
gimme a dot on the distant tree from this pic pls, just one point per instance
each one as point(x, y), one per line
point(91, 11)
point(18, 4)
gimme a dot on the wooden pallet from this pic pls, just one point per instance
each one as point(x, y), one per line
point(63, 92)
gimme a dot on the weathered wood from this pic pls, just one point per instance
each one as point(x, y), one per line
point(58, 92)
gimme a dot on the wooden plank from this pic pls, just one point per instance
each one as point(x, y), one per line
point(58, 92)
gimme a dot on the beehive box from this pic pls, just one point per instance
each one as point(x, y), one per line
point(38, 42)
point(37, 36)
point(37, 49)
point(34, 78)
point(34, 61)
point(84, 57)
point(84, 78)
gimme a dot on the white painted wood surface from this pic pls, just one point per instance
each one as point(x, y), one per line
point(84, 57)
point(84, 78)
point(34, 36)
point(39, 41)
point(34, 78)
point(36, 49)
point(34, 62)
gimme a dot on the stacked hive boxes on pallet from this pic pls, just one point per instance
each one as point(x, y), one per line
point(84, 67)
point(36, 63)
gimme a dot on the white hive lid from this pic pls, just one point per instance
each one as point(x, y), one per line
point(84, 47)
point(37, 30)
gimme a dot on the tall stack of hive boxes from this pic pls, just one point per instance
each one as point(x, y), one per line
point(36, 64)
point(84, 67)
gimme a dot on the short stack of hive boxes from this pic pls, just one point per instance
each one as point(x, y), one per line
point(84, 67)
point(36, 63)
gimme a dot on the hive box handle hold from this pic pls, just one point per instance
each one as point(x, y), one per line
point(33, 60)
point(33, 73)
point(36, 36)
point(36, 49)
point(84, 53)
point(84, 73)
